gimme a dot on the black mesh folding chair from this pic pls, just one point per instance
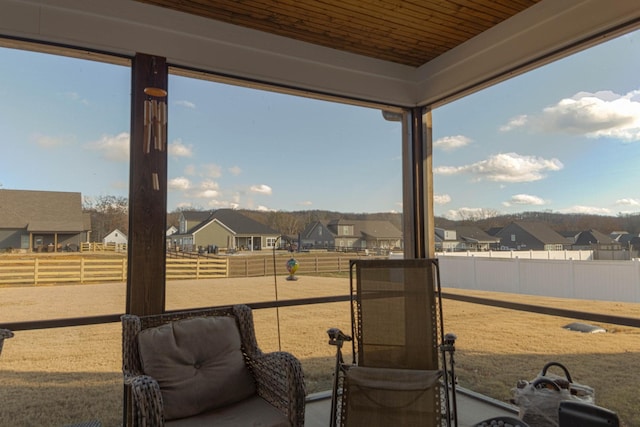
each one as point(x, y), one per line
point(579, 414)
point(398, 375)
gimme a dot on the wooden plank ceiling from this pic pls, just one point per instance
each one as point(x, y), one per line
point(405, 32)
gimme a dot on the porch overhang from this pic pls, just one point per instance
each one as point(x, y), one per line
point(536, 35)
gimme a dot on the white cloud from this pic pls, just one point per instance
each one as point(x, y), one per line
point(207, 194)
point(507, 167)
point(265, 209)
point(589, 210)
point(305, 203)
point(449, 143)
point(235, 170)
point(515, 122)
point(209, 185)
point(525, 199)
point(179, 183)
point(114, 148)
point(178, 149)
point(441, 199)
point(46, 141)
point(603, 114)
point(628, 202)
point(187, 104)
point(261, 189)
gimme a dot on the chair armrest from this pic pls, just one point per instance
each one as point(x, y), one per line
point(147, 401)
point(280, 381)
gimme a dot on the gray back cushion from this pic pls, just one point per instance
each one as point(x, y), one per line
point(198, 364)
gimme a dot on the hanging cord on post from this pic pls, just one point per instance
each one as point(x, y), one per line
point(275, 284)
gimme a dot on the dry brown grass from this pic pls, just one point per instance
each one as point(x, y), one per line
point(59, 376)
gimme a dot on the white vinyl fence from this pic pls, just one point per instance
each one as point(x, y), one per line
point(592, 280)
point(566, 254)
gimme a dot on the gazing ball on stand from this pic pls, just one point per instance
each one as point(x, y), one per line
point(292, 267)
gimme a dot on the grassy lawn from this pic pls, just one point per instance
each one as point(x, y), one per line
point(59, 376)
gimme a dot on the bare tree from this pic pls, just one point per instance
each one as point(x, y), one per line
point(107, 214)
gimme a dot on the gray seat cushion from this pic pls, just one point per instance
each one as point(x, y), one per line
point(251, 412)
point(198, 364)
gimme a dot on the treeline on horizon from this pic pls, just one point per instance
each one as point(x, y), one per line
point(110, 212)
point(563, 223)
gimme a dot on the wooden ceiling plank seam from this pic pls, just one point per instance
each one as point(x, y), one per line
point(465, 12)
point(498, 11)
point(416, 17)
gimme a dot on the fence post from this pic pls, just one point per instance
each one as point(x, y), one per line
point(82, 270)
point(35, 270)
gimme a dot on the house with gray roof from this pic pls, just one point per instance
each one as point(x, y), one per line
point(317, 235)
point(224, 228)
point(530, 235)
point(593, 239)
point(42, 220)
point(365, 235)
point(475, 239)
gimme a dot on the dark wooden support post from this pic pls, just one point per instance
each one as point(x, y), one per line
point(147, 187)
point(418, 186)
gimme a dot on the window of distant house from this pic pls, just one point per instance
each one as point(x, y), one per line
point(347, 230)
point(319, 231)
point(271, 242)
point(513, 237)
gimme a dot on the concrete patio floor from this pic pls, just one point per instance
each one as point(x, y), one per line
point(472, 409)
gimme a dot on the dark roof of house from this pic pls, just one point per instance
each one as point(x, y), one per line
point(377, 229)
point(625, 238)
point(592, 237)
point(475, 234)
point(196, 215)
point(42, 211)
point(311, 227)
point(541, 232)
point(237, 222)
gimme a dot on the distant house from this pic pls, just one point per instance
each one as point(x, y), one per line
point(593, 239)
point(116, 236)
point(42, 220)
point(446, 240)
point(530, 235)
point(317, 235)
point(171, 230)
point(365, 234)
point(190, 219)
point(224, 228)
point(473, 238)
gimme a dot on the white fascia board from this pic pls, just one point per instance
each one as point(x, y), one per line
point(526, 41)
point(125, 27)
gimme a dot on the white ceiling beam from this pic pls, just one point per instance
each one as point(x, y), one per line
point(542, 33)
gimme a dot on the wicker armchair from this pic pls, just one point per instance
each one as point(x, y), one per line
point(4, 334)
point(204, 367)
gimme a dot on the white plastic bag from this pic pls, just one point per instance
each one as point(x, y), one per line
point(538, 401)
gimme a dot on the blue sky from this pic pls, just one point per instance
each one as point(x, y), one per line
point(563, 138)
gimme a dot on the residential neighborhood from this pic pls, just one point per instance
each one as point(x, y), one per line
point(51, 221)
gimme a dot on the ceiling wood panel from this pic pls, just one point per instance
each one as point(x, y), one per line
point(405, 32)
